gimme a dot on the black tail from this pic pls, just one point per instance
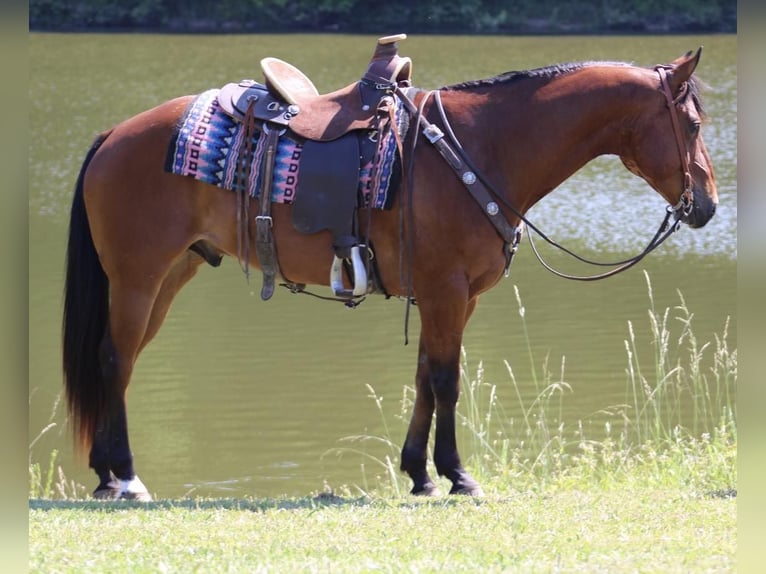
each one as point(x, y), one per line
point(86, 313)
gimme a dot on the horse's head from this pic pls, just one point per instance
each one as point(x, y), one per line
point(666, 146)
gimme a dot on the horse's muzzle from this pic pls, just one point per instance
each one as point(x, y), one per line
point(702, 211)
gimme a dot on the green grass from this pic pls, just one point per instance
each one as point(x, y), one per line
point(626, 530)
point(653, 491)
point(47, 480)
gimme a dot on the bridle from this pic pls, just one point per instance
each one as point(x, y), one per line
point(481, 188)
point(687, 196)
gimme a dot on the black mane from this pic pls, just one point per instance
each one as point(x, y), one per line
point(547, 72)
point(550, 72)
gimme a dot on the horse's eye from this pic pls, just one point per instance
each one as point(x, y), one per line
point(694, 128)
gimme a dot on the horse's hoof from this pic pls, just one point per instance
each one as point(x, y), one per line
point(106, 493)
point(429, 489)
point(472, 489)
point(138, 496)
point(123, 490)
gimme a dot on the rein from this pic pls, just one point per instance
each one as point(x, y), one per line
point(512, 235)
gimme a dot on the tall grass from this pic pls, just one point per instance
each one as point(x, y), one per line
point(678, 388)
point(675, 429)
point(47, 479)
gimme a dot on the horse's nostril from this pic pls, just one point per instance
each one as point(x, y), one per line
point(701, 215)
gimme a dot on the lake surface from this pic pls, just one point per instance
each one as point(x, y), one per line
point(237, 396)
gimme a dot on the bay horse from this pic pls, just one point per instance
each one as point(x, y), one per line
point(138, 234)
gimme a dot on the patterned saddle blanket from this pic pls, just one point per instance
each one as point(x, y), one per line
point(207, 143)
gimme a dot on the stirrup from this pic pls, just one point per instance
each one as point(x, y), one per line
point(360, 276)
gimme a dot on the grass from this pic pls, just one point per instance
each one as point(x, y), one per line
point(47, 481)
point(654, 491)
point(636, 530)
point(675, 429)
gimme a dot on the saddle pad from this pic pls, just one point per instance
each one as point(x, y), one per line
point(207, 141)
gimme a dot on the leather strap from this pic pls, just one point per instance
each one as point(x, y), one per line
point(264, 238)
point(475, 186)
point(682, 150)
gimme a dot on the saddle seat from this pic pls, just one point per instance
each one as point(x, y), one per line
point(325, 117)
point(286, 81)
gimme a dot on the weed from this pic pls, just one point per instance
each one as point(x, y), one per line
point(676, 427)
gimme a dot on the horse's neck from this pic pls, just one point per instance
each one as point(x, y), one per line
point(544, 139)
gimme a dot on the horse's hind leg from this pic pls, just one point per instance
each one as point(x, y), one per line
point(180, 274)
point(110, 455)
point(112, 460)
point(130, 309)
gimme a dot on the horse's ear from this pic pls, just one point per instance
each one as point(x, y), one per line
point(683, 68)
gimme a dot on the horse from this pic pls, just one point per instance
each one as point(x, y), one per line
point(138, 233)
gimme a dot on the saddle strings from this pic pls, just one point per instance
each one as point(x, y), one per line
point(243, 218)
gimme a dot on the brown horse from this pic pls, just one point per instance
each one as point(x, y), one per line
point(138, 233)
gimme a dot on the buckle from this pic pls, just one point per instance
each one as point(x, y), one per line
point(432, 133)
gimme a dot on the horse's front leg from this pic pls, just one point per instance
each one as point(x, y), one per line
point(415, 447)
point(443, 320)
point(445, 376)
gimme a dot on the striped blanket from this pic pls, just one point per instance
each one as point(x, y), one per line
point(207, 143)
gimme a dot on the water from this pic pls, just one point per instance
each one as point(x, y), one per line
point(236, 396)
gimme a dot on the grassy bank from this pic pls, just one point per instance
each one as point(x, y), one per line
point(653, 491)
point(626, 529)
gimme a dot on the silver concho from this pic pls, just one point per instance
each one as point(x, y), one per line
point(469, 178)
point(492, 208)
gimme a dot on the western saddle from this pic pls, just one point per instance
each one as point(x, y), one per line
point(328, 125)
